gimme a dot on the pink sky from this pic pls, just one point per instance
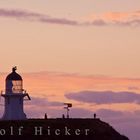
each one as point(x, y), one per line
point(119, 97)
point(64, 49)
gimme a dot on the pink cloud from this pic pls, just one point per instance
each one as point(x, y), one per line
point(118, 18)
point(104, 19)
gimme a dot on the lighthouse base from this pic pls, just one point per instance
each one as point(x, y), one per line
point(15, 117)
point(14, 107)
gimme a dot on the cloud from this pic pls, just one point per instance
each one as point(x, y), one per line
point(117, 18)
point(108, 113)
point(121, 16)
point(38, 106)
point(40, 101)
point(104, 97)
point(19, 14)
point(101, 113)
point(80, 112)
point(133, 22)
point(32, 16)
point(133, 88)
point(99, 22)
point(104, 19)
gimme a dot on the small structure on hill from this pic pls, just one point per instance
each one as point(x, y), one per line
point(68, 106)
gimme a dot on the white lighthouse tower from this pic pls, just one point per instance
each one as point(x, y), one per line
point(14, 97)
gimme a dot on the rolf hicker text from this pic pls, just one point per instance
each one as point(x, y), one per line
point(39, 131)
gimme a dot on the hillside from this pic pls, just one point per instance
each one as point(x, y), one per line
point(59, 129)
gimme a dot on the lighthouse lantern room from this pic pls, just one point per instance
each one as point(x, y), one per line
point(14, 97)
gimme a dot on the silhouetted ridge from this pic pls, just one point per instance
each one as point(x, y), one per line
point(99, 130)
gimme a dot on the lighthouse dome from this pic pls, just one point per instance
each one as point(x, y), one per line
point(14, 75)
point(14, 83)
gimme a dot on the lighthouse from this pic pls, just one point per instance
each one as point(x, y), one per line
point(14, 97)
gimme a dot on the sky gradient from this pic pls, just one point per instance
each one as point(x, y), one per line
point(86, 37)
point(68, 51)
